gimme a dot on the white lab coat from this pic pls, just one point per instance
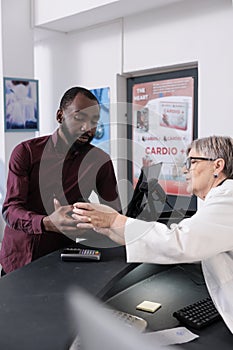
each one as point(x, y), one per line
point(207, 237)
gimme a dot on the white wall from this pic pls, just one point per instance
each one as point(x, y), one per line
point(70, 15)
point(63, 9)
point(2, 141)
point(51, 65)
point(17, 54)
point(17, 60)
point(194, 31)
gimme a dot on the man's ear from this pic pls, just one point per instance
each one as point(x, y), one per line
point(59, 116)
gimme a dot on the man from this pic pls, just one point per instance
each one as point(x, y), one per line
point(47, 175)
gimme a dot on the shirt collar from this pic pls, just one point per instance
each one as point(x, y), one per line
point(58, 144)
point(222, 182)
point(55, 138)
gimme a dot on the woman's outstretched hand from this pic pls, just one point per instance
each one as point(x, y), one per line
point(102, 219)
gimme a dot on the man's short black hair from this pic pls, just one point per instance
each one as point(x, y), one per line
point(70, 94)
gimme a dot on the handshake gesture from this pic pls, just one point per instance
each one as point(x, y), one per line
point(75, 220)
point(101, 218)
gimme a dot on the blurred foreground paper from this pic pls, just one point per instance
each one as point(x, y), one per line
point(98, 329)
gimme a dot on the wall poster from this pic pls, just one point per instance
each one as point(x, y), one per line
point(21, 104)
point(162, 125)
point(102, 135)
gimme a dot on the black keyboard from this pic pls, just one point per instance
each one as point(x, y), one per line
point(198, 315)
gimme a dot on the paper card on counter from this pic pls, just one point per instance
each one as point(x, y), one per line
point(177, 335)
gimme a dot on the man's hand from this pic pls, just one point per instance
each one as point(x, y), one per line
point(61, 221)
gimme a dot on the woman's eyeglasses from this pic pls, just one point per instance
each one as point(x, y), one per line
point(188, 162)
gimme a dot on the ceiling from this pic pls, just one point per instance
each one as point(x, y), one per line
point(104, 13)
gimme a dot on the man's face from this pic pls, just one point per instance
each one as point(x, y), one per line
point(79, 120)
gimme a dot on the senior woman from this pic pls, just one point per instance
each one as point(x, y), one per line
point(207, 236)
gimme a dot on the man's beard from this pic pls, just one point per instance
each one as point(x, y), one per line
point(73, 142)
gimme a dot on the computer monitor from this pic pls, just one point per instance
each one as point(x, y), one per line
point(151, 203)
point(137, 206)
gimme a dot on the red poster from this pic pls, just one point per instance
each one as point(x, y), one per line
point(162, 129)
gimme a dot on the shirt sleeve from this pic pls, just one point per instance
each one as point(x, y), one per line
point(14, 210)
point(206, 234)
point(106, 185)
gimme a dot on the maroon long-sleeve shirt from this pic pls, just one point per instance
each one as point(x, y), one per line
point(39, 169)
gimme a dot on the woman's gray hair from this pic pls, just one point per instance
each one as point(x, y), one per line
point(215, 147)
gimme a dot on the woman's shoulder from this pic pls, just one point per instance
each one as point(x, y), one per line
point(225, 189)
